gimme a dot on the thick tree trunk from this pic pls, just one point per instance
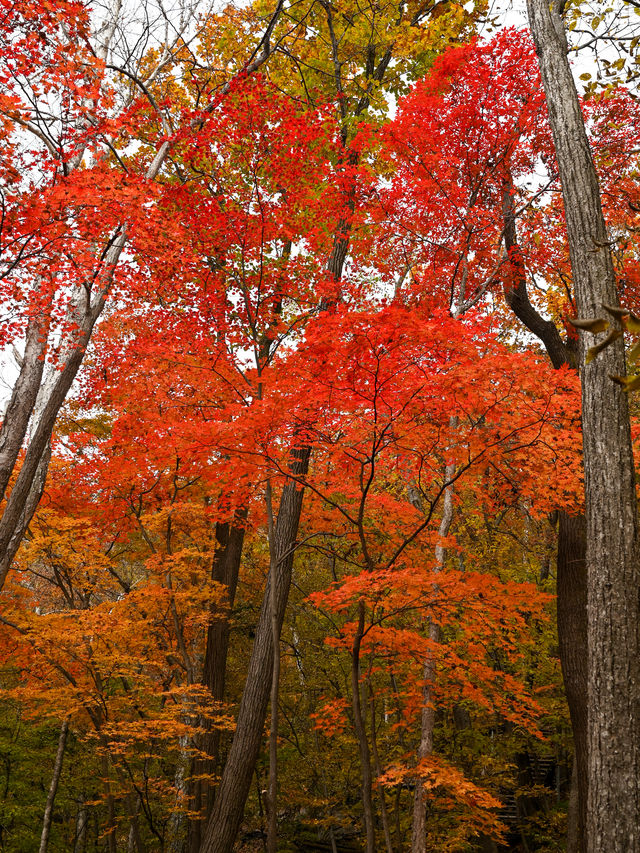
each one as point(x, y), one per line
point(571, 584)
point(575, 834)
point(571, 607)
point(225, 571)
point(82, 821)
point(135, 844)
point(53, 787)
point(232, 793)
point(613, 571)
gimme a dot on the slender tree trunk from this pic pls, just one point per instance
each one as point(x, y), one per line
point(227, 813)
point(428, 716)
point(272, 816)
point(613, 570)
point(135, 843)
point(232, 793)
point(361, 733)
point(25, 391)
point(177, 825)
point(398, 826)
point(225, 570)
point(53, 787)
point(82, 820)
point(378, 770)
point(234, 784)
point(425, 748)
point(112, 842)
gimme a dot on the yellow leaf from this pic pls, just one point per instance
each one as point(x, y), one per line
point(632, 323)
point(595, 351)
point(628, 383)
point(595, 325)
point(616, 312)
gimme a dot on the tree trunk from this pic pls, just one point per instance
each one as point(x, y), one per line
point(428, 717)
point(272, 813)
point(53, 787)
point(82, 820)
point(571, 607)
point(111, 838)
point(228, 808)
point(135, 844)
point(425, 748)
point(575, 836)
point(225, 570)
point(571, 583)
point(613, 571)
point(361, 734)
point(384, 814)
point(23, 397)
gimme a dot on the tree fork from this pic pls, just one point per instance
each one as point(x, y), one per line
point(225, 570)
point(228, 808)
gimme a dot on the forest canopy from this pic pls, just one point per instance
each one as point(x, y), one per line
point(292, 534)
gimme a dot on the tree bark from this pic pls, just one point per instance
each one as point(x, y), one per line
point(384, 814)
point(361, 733)
point(225, 570)
point(228, 809)
point(272, 814)
point(571, 607)
point(613, 571)
point(428, 716)
point(53, 787)
point(571, 583)
point(575, 836)
point(82, 821)
point(23, 397)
